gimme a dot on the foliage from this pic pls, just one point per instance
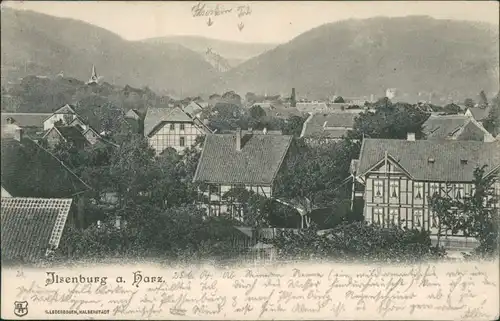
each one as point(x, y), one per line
point(257, 112)
point(475, 215)
point(452, 109)
point(357, 241)
point(492, 121)
point(293, 126)
point(483, 100)
point(389, 120)
point(311, 178)
point(469, 103)
point(339, 99)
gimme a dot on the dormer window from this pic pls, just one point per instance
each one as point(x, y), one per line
point(431, 161)
point(463, 161)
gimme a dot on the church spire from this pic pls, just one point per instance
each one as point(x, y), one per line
point(93, 78)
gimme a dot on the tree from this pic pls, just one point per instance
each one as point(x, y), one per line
point(475, 215)
point(293, 125)
point(389, 121)
point(483, 100)
point(250, 97)
point(339, 99)
point(469, 103)
point(312, 177)
point(452, 109)
point(492, 121)
point(257, 112)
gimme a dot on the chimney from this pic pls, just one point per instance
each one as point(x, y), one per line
point(411, 137)
point(293, 99)
point(18, 134)
point(238, 139)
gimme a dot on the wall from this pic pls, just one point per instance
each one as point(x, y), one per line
point(167, 137)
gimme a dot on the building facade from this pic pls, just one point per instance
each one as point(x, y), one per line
point(234, 163)
point(172, 128)
point(397, 179)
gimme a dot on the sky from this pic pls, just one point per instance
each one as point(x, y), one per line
point(269, 22)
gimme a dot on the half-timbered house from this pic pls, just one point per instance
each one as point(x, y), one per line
point(240, 160)
point(172, 128)
point(397, 178)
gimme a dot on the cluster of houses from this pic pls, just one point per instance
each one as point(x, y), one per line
point(393, 179)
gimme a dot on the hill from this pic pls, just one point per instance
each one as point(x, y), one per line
point(362, 57)
point(39, 44)
point(233, 52)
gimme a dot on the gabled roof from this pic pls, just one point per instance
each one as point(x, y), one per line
point(328, 125)
point(257, 163)
point(156, 116)
point(193, 108)
point(460, 127)
point(25, 119)
point(66, 109)
point(479, 113)
point(134, 114)
point(31, 226)
point(70, 134)
point(448, 157)
point(28, 170)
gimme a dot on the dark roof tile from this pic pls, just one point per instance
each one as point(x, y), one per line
point(256, 164)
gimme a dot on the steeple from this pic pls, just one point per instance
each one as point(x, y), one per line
point(93, 78)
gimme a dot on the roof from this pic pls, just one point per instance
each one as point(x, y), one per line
point(25, 119)
point(311, 107)
point(413, 157)
point(66, 109)
point(133, 113)
point(28, 170)
point(328, 125)
point(31, 226)
point(479, 113)
point(157, 116)
point(193, 108)
point(257, 162)
point(71, 134)
point(454, 127)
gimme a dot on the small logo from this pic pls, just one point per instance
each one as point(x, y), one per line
point(20, 308)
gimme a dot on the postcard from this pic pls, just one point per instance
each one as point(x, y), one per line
point(250, 160)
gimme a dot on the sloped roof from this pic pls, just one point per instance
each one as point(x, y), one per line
point(72, 134)
point(413, 156)
point(256, 164)
point(134, 114)
point(25, 119)
point(452, 127)
point(66, 109)
point(193, 108)
point(479, 113)
point(328, 125)
point(28, 170)
point(157, 116)
point(311, 107)
point(31, 226)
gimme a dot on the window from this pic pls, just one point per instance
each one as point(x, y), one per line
point(379, 187)
point(434, 188)
point(378, 212)
point(172, 126)
point(435, 221)
point(394, 216)
point(418, 190)
point(459, 191)
point(417, 218)
point(182, 126)
point(182, 141)
point(394, 189)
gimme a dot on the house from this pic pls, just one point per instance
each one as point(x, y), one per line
point(239, 160)
point(172, 128)
point(64, 115)
point(31, 123)
point(32, 227)
point(136, 119)
point(312, 107)
point(278, 110)
point(29, 170)
point(397, 178)
point(66, 134)
point(455, 127)
point(327, 126)
point(478, 113)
